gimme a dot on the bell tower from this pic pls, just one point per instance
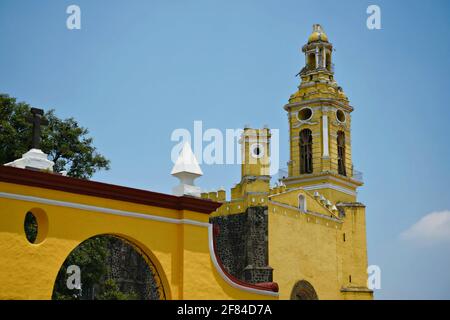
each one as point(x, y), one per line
point(255, 152)
point(319, 117)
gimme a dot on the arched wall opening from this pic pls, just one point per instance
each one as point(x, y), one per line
point(110, 267)
point(303, 290)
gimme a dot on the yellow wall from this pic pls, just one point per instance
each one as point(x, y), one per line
point(180, 252)
point(309, 253)
point(309, 246)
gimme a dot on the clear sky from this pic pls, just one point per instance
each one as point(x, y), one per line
point(137, 70)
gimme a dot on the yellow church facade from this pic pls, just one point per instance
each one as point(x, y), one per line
point(316, 229)
point(304, 238)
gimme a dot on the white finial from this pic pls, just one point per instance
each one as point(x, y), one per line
point(35, 159)
point(323, 199)
point(186, 169)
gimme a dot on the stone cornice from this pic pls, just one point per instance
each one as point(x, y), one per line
point(103, 190)
point(326, 174)
point(325, 101)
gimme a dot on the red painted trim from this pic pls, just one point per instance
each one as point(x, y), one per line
point(103, 190)
point(266, 286)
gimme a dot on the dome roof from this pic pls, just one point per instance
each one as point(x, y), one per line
point(318, 34)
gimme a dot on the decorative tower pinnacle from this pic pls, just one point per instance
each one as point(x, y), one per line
point(186, 169)
point(318, 53)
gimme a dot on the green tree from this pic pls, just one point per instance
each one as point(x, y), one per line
point(111, 291)
point(91, 256)
point(69, 146)
point(65, 141)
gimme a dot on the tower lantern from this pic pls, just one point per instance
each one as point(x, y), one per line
point(318, 53)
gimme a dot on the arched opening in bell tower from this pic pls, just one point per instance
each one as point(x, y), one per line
point(341, 153)
point(306, 158)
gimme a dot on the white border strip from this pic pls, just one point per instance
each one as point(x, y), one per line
point(225, 277)
point(101, 209)
point(326, 147)
point(330, 186)
point(146, 217)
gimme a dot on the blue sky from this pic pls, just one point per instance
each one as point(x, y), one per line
point(137, 70)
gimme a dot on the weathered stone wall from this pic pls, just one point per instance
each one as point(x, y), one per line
point(131, 271)
point(242, 246)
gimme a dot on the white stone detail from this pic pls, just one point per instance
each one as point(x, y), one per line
point(186, 169)
point(326, 153)
point(35, 159)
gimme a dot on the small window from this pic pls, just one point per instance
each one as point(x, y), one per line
point(340, 116)
point(31, 227)
point(302, 203)
point(35, 226)
point(311, 61)
point(257, 150)
point(328, 60)
point(305, 114)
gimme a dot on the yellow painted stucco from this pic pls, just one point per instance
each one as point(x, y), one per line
point(180, 252)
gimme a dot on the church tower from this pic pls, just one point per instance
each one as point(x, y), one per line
point(319, 116)
point(255, 152)
point(308, 233)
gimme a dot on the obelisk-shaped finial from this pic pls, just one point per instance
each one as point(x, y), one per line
point(186, 169)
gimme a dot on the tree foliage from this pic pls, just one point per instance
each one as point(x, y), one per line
point(69, 146)
point(90, 256)
point(65, 141)
point(93, 258)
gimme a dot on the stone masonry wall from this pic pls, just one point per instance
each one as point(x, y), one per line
point(242, 245)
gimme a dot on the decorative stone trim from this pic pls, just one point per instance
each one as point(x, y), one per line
point(315, 214)
point(356, 290)
point(104, 190)
point(351, 204)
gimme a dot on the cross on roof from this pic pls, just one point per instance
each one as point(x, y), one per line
point(37, 120)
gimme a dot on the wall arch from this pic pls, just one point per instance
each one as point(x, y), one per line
point(303, 290)
point(154, 260)
point(117, 252)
